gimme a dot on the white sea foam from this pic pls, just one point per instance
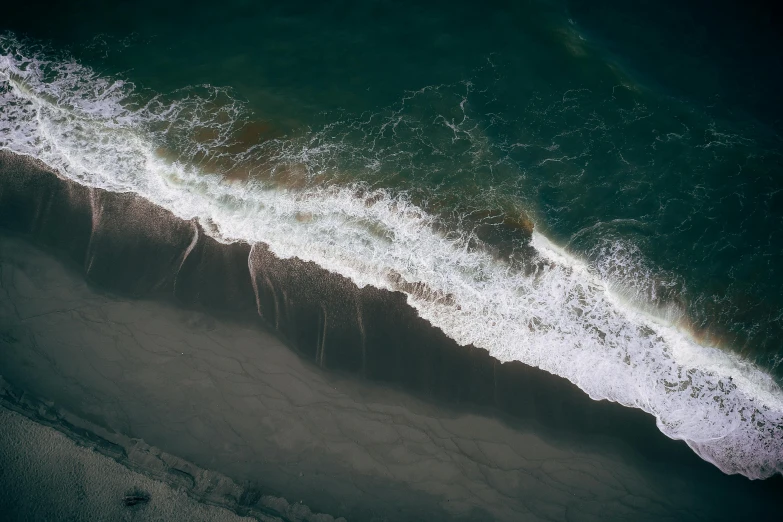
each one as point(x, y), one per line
point(563, 318)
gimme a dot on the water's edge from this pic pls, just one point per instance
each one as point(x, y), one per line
point(125, 244)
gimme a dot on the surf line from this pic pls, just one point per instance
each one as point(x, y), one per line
point(560, 319)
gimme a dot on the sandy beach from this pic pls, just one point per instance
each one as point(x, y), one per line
point(261, 371)
point(46, 476)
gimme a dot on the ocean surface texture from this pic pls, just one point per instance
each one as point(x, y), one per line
point(591, 189)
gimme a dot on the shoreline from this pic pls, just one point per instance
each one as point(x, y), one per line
point(366, 339)
point(127, 246)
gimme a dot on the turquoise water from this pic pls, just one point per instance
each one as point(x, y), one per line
point(587, 191)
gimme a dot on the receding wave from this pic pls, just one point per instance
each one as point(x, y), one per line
point(554, 312)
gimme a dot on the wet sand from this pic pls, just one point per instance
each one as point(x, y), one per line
point(368, 413)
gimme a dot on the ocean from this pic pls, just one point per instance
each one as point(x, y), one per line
point(590, 190)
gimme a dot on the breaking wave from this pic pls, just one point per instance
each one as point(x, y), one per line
point(553, 311)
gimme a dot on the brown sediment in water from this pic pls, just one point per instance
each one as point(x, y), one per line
point(251, 134)
point(291, 176)
point(225, 155)
point(520, 221)
point(205, 134)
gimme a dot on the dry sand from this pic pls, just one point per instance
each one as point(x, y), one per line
point(46, 476)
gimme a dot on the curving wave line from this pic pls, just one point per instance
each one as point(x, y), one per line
point(561, 317)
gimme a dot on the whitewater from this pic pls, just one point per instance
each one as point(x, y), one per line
point(562, 316)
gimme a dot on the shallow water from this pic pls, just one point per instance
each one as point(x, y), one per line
point(534, 190)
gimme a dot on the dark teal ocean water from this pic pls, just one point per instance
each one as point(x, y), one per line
point(592, 189)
